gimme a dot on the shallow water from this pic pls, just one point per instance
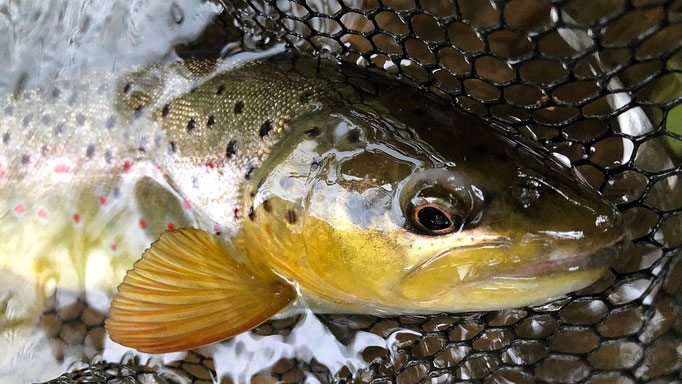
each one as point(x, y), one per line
point(43, 40)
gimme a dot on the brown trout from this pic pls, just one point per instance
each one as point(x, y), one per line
point(279, 181)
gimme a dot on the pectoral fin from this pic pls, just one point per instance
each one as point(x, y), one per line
point(188, 291)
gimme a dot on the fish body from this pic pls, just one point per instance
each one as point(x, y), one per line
point(346, 190)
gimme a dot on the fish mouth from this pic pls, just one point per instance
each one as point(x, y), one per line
point(558, 262)
point(491, 242)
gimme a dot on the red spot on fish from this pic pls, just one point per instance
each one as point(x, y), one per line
point(103, 200)
point(42, 214)
point(127, 166)
point(186, 203)
point(76, 218)
point(113, 247)
point(19, 209)
point(62, 168)
point(171, 226)
point(142, 224)
point(210, 164)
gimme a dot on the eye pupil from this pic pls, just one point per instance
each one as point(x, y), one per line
point(433, 218)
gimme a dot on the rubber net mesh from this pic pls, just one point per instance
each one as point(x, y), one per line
point(599, 83)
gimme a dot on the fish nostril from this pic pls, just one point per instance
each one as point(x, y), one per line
point(526, 192)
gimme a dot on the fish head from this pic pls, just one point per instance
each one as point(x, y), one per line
point(492, 238)
point(450, 214)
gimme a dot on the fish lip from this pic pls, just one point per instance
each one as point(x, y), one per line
point(583, 261)
point(586, 260)
point(497, 241)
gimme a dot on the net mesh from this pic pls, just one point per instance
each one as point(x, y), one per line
point(599, 83)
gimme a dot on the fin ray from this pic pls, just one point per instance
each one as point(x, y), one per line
point(188, 290)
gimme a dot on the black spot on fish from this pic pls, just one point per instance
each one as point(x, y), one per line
point(354, 136)
point(90, 151)
point(292, 217)
point(267, 206)
point(193, 90)
point(126, 88)
point(211, 121)
point(265, 129)
point(252, 214)
point(230, 150)
point(312, 132)
point(305, 97)
point(117, 192)
point(220, 90)
point(25, 159)
point(316, 164)
point(27, 119)
point(58, 129)
point(111, 120)
point(137, 112)
point(238, 107)
point(72, 99)
point(252, 194)
point(80, 119)
point(172, 147)
point(237, 214)
point(44, 150)
point(5, 138)
point(165, 110)
point(46, 120)
point(190, 125)
point(108, 157)
point(249, 170)
point(56, 92)
point(9, 111)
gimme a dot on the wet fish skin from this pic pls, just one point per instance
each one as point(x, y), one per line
point(353, 147)
point(307, 171)
point(529, 230)
point(92, 171)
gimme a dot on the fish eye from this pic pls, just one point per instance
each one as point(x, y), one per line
point(435, 220)
point(437, 202)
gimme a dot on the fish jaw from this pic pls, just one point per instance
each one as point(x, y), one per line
point(467, 286)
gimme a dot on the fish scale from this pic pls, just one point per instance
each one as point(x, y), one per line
point(84, 176)
point(87, 167)
point(261, 99)
point(81, 138)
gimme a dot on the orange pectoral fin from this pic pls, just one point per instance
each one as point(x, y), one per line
point(187, 291)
